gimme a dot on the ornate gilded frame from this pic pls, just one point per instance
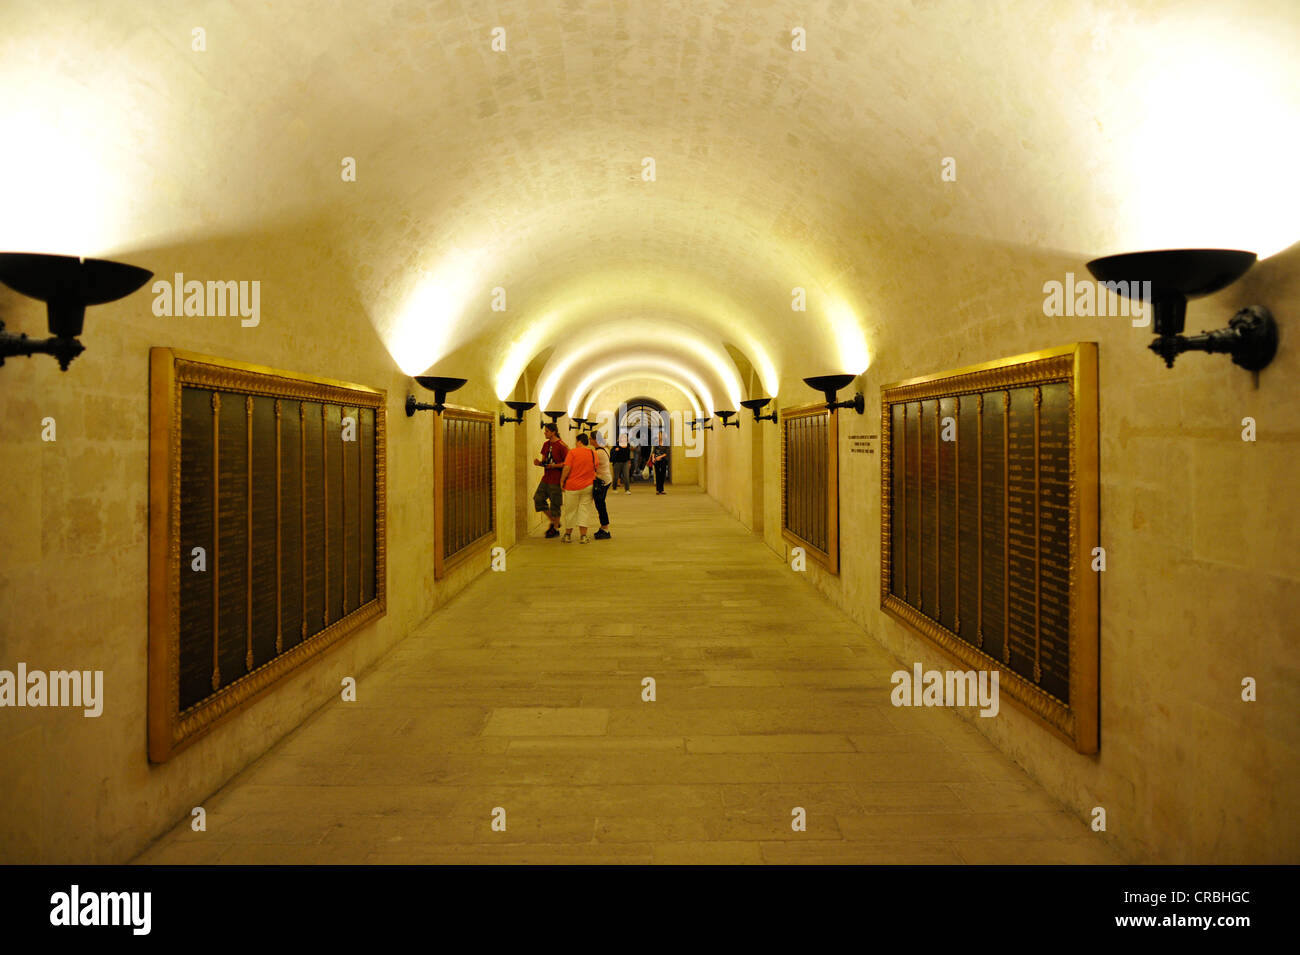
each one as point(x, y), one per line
point(444, 565)
point(830, 557)
point(171, 730)
point(1077, 722)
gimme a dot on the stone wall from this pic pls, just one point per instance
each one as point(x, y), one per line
point(1200, 528)
point(74, 568)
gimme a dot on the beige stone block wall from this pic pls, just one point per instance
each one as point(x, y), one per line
point(74, 568)
point(728, 462)
point(1203, 582)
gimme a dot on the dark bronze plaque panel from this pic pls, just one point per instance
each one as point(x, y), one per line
point(1053, 539)
point(291, 522)
point(928, 504)
point(911, 451)
point(367, 504)
point(263, 523)
point(969, 514)
point(197, 595)
point(1022, 508)
point(898, 585)
point(232, 539)
point(946, 550)
point(993, 533)
point(333, 457)
point(314, 510)
point(351, 509)
point(988, 520)
point(257, 504)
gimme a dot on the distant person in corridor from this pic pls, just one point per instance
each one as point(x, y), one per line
point(621, 458)
point(659, 461)
point(549, 497)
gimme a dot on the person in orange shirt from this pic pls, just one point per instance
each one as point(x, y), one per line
point(576, 478)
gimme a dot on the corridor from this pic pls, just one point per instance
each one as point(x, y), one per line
point(524, 694)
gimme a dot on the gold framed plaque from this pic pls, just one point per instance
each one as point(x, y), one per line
point(810, 512)
point(988, 520)
point(464, 486)
point(267, 538)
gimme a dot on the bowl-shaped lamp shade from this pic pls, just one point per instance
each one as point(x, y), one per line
point(755, 405)
point(67, 284)
point(519, 407)
point(1176, 275)
point(554, 415)
point(441, 387)
point(829, 384)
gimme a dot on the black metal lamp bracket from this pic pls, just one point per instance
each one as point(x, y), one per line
point(1250, 338)
point(857, 403)
point(412, 406)
point(64, 349)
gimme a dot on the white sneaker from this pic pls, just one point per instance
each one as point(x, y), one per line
point(568, 537)
point(584, 539)
point(627, 490)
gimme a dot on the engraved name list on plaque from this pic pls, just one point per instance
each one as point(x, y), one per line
point(988, 523)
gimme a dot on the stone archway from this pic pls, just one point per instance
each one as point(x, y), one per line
point(643, 419)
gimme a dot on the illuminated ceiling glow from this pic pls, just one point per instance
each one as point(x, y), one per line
point(613, 378)
point(644, 336)
point(1234, 186)
point(595, 298)
point(483, 171)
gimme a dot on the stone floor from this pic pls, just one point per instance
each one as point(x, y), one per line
point(524, 693)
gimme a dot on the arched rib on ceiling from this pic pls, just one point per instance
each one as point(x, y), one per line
point(735, 283)
point(585, 390)
point(581, 388)
point(644, 336)
point(609, 379)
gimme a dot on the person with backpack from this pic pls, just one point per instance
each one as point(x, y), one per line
point(600, 486)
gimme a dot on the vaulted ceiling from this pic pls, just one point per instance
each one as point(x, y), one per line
point(1088, 127)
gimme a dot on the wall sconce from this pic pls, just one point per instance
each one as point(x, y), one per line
point(755, 405)
point(726, 419)
point(440, 387)
point(1176, 275)
point(555, 416)
point(66, 284)
point(518, 407)
point(702, 423)
point(577, 424)
point(829, 384)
